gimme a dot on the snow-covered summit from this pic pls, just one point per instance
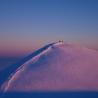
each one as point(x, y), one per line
point(56, 67)
point(60, 42)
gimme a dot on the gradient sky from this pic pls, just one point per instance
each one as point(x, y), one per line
point(28, 24)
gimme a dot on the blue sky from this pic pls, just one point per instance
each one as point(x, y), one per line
point(27, 24)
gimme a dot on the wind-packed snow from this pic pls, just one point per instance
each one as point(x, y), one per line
point(59, 67)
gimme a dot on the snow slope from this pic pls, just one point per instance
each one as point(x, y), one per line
point(58, 67)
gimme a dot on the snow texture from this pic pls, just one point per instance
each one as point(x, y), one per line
point(57, 67)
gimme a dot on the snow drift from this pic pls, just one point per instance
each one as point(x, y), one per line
point(57, 67)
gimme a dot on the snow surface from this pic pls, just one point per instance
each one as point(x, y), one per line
point(59, 67)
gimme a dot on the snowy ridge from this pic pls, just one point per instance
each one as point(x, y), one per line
point(22, 68)
point(6, 85)
point(56, 66)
